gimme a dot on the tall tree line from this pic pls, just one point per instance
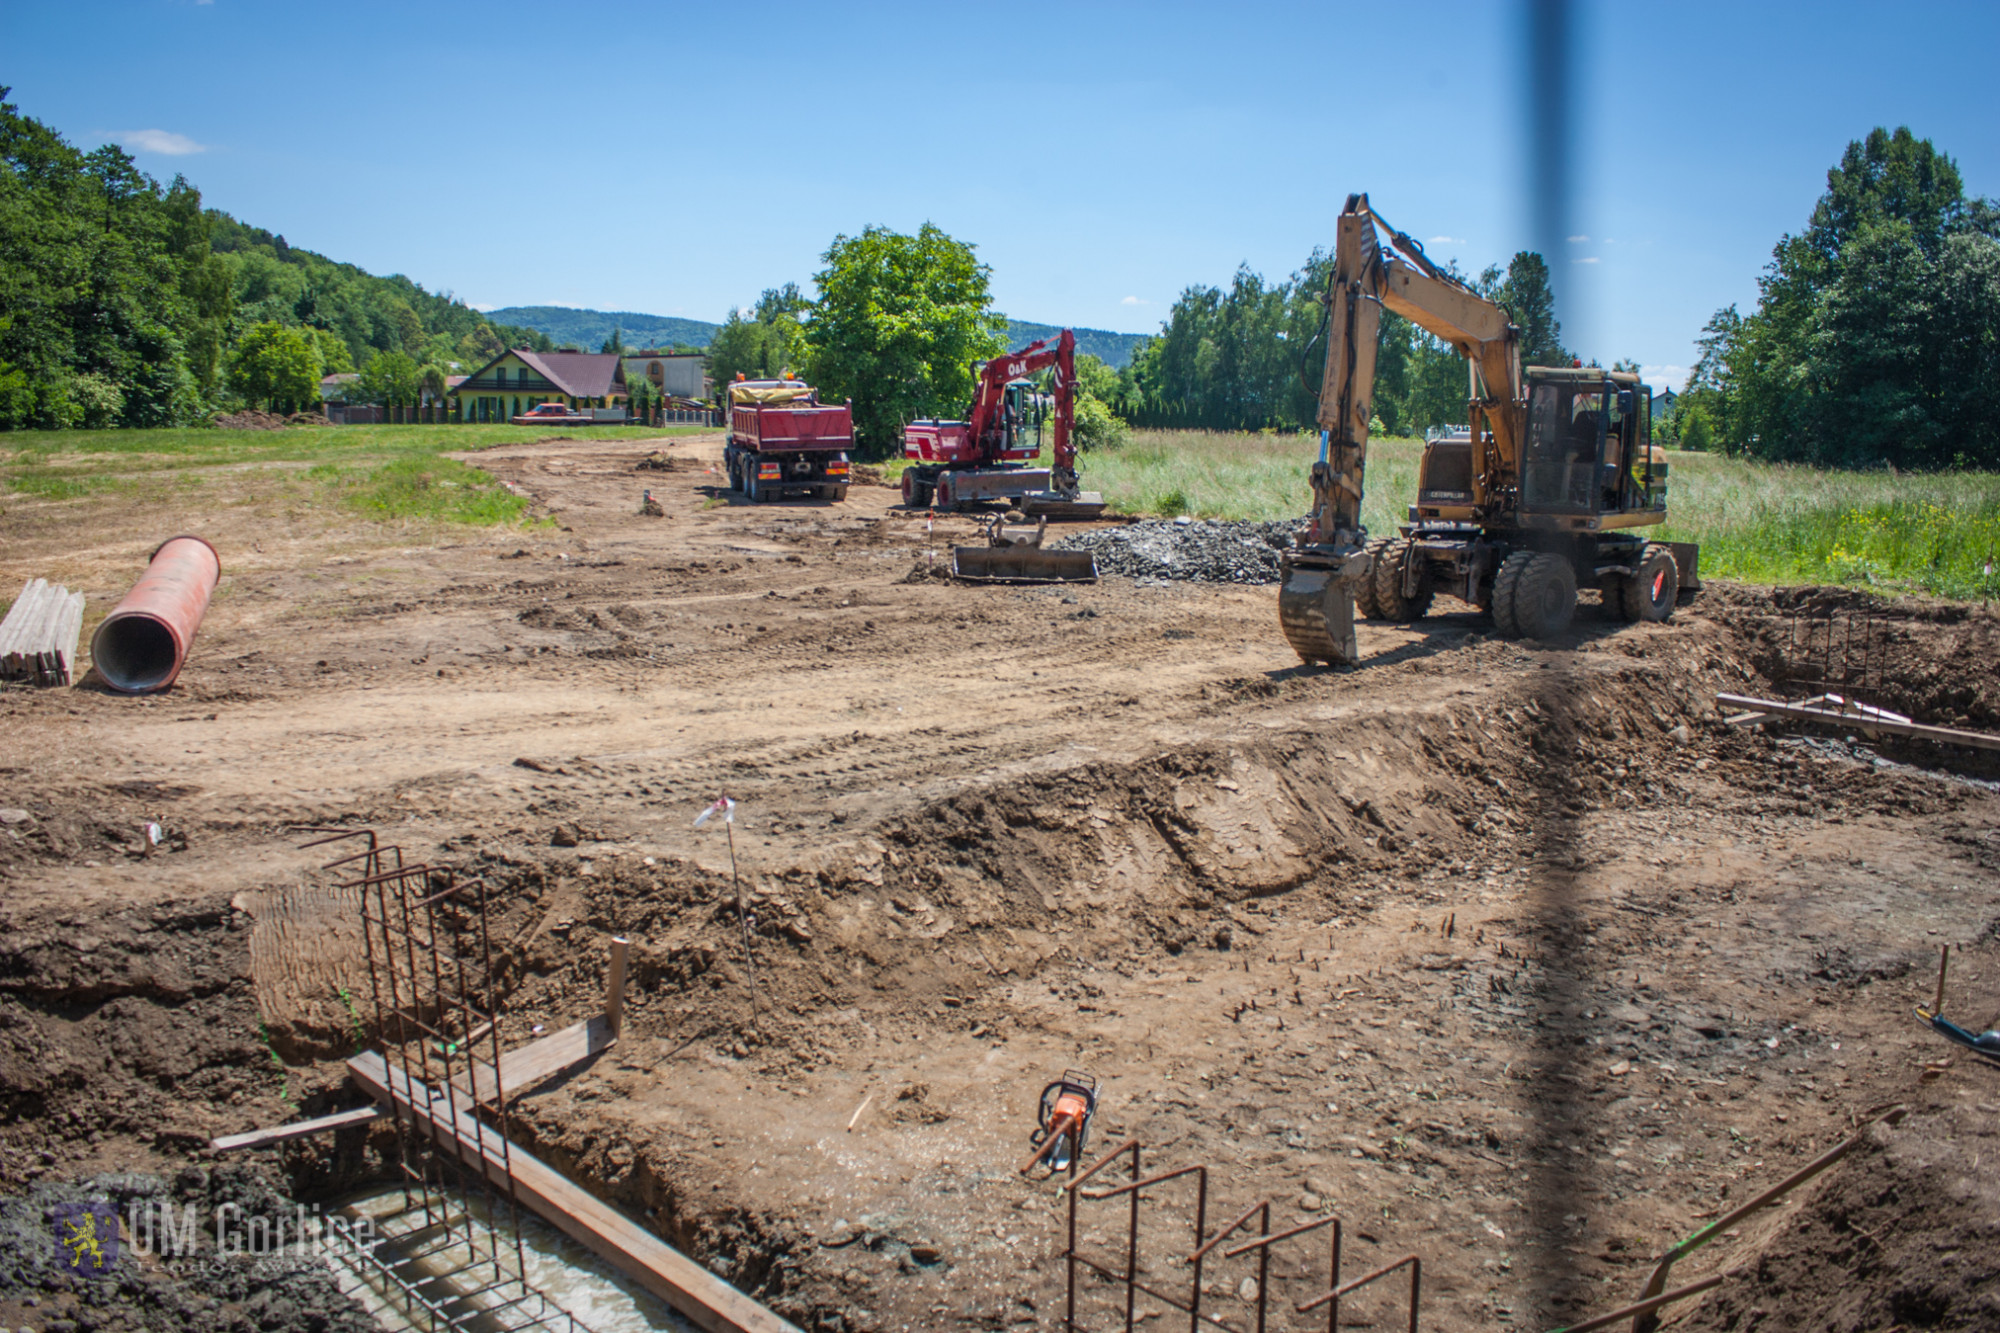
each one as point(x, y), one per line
point(1250, 358)
point(126, 303)
point(1876, 337)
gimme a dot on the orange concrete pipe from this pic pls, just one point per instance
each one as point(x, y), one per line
point(143, 642)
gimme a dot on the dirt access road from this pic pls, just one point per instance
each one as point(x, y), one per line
point(1510, 955)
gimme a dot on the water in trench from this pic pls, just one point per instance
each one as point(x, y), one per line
point(560, 1274)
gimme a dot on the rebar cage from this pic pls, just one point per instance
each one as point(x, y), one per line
point(451, 1258)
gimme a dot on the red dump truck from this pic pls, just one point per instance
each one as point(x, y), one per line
point(783, 441)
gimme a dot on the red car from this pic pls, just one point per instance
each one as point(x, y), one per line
point(551, 414)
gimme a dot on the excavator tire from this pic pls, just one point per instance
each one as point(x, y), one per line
point(1364, 591)
point(1534, 596)
point(1651, 596)
point(1387, 580)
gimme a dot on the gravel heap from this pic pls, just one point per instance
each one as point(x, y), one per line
point(1196, 551)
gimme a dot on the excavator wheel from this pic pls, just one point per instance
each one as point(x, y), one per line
point(1386, 579)
point(1364, 590)
point(1534, 596)
point(1651, 596)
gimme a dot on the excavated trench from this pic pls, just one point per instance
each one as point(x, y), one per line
point(1454, 918)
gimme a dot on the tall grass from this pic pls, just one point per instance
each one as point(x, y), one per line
point(1764, 522)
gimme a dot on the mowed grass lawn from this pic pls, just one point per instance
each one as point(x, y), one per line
point(381, 472)
point(1762, 522)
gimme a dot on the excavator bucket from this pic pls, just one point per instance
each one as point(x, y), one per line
point(1049, 504)
point(1022, 564)
point(1316, 611)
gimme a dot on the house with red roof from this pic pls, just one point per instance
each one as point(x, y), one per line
point(518, 379)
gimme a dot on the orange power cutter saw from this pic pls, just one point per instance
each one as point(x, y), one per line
point(1063, 1121)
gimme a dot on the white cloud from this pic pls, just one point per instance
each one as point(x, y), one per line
point(482, 306)
point(1578, 240)
point(1592, 259)
point(1445, 240)
point(158, 141)
point(1135, 300)
point(1665, 377)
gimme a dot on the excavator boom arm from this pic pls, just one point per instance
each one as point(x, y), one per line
point(1316, 602)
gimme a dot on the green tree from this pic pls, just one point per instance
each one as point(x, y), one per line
point(278, 367)
point(763, 344)
point(392, 379)
point(1875, 326)
point(899, 323)
point(1530, 302)
point(616, 342)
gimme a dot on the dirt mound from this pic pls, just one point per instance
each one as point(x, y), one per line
point(1904, 1234)
point(252, 419)
point(1195, 550)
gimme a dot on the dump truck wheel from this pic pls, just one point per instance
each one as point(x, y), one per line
point(1535, 596)
point(1651, 596)
point(1387, 578)
point(836, 493)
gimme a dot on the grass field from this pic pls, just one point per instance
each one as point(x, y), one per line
point(380, 472)
point(1769, 523)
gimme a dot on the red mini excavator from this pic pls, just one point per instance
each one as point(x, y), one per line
point(959, 463)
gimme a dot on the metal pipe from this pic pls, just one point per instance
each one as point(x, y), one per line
point(143, 643)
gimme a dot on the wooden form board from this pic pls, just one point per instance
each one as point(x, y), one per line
point(446, 1117)
point(298, 1129)
point(1852, 722)
point(520, 1069)
point(526, 1066)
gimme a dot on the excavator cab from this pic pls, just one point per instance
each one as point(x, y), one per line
point(1588, 451)
point(1021, 413)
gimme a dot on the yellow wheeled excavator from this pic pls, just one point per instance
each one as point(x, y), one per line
point(1550, 487)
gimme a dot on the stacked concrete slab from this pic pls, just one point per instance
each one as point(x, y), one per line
point(38, 639)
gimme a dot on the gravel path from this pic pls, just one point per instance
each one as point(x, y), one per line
point(1195, 551)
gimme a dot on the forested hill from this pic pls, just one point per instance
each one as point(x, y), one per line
point(1113, 349)
point(124, 302)
point(589, 329)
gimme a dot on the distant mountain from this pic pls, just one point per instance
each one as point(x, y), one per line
point(1113, 349)
point(588, 329)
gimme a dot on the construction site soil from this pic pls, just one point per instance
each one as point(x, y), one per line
point(1511, 955)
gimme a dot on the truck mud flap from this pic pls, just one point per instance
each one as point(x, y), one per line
point(1022, 564)
point(1687, 556)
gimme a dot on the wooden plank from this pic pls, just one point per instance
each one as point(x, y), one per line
point(520, 1070)
point(540, 1060)
point(1851, 722)
point(298, 1129)
point(614, 984)
point(446, 1118)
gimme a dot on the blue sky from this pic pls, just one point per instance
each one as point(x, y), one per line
point(677, 159)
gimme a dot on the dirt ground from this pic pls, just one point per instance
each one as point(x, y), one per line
point(1511, 956)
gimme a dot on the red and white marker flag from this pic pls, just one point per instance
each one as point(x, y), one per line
point(723, 806)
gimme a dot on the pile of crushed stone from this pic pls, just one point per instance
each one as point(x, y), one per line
point(1189, 550)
